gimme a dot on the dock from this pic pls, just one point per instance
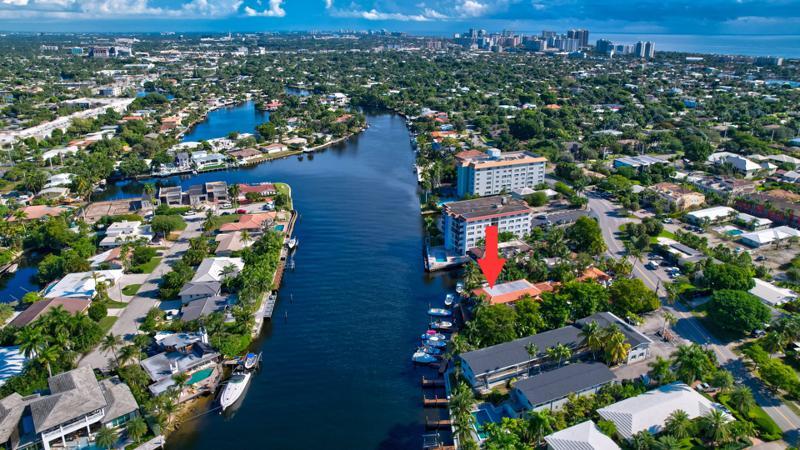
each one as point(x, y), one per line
point(437, 424)
point(435, 402)
point(270, 305)
point(428, 383)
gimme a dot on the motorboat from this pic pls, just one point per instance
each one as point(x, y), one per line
point(12, 268)
point(434, 337)
point(432, 350)
point(436, 344)
point(440, 312)
point(234, 389)
point(449, 300)
point(292, 243)
point(420, 357)
point(460, 287)
point(442, 325)
point(251, 361)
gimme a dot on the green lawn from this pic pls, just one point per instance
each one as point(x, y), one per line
point(147, 267)
point(112, 304)
point(284, 188)
point(218, 221)
point(131, 289)
point(664, 234)
point(106, 323)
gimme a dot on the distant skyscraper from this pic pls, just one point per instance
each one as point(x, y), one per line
point(650, 50)
point(549, 34)
point(604, 46)
point(581, 35)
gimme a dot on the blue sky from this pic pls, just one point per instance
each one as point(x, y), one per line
point(418, 16)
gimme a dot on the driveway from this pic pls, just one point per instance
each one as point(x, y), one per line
point(127, 325)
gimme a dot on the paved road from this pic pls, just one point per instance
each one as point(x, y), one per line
point(688, 326)
point(127, 325)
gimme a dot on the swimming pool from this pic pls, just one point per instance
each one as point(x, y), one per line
point(199, 376)
point(734, 232)
point(279, 227)
point(482, 417)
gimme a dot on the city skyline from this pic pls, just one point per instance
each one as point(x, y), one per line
point(427, 17)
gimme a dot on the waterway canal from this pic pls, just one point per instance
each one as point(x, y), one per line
point(337, 372)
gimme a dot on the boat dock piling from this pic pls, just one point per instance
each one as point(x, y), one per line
point(437, 424)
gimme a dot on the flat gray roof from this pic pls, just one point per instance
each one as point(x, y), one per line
point(556, 384)
point(486, 206)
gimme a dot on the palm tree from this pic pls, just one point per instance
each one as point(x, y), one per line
point(111, 342)
point(106, 438)
point(691, 362)
point(669, 321)
point(715, 427)
point(245, 237)
point(678, 424)
point(660, 370)
point(48, 356)
point(136, 428)
point(31, 341)
point(233, 191)
point(741, 398)
point(615, 345)
point(559, 352)
point(592, 337)
point(532, 349)
point(668, 442)
point(461, 402)
point(642, 440)
point(538, 424)
point(149, 190)
point(129, 353)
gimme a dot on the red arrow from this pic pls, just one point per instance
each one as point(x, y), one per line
point(491, 264)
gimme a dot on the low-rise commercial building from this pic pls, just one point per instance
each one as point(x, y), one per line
point(678, 196)
point(772, 295)
point(760, 238)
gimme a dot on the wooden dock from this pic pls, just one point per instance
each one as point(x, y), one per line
point(427, 383)
point(270, 305)
point(435, 402)
point(436, 424)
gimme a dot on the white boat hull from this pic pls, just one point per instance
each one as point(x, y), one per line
point(234, 389)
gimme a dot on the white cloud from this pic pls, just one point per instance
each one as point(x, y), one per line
point(374, 14)
point(15, 2)
point(275, 9)
point(328, 4)
point(472, 8)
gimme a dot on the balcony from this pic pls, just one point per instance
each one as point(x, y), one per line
point(73, 425)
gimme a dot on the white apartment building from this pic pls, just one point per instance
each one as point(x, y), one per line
point(494, 172)
point(465, 222)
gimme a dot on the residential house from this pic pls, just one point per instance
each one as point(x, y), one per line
point(252, 223)
point(583, 436)
point(203, 160)
point(187, 353)
point(245, 155)
point(490, 366)
point(722, 186)
point(170, 195)
point(550, 390)
point(772, 295)
point(119, 233)
point(207, 281)
point(274, 148)
point(109, 259)
point(81, 284)
point(761, 238)
point(228, 243)
point(76, 405)
point(677, 196)
point(638, 162)
point(204, 307)
point(649, 411)
point(508, 292)
point(36, 212)
point(38, 309)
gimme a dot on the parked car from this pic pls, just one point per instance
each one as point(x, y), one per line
point(761, 258)
point(667, 220)
point(241, 211)
point(226, 206)
point(651, 265)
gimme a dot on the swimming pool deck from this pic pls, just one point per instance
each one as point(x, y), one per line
point(438, 258)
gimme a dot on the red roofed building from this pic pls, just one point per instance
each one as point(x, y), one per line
point(249, 222)
point(508, 292)
point(593, 273)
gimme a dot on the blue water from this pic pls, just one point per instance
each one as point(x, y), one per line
point(14, 286)
point(337, 370)
point(242, 118)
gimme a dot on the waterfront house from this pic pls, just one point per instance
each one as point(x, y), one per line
point(245, 155)
point(81, 284)
point(170, 195)
point(42, 307)
point(649, 411)
point(36, 212)
point(253, 223)
point(204, 160)
point(583, 436)
point(76, 406)
point(508, 292)
point(59, 179)
point(187, 353)
point(262, 189)
point(207, 281)
point(274, 148)
point(228, 243)
point(465, 221)
point(487, 367)
point(550, 390)
point(119, 233)
point(204, 307)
